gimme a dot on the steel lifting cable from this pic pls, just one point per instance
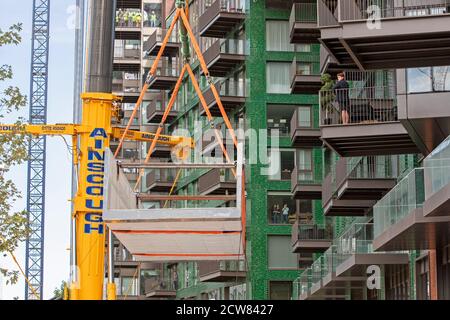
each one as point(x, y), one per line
point(130, 285)
point(173, 187)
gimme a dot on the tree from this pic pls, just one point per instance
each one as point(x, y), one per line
point(13, 151)
point(58, 293)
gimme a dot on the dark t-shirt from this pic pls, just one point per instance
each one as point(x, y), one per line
point(341, 91)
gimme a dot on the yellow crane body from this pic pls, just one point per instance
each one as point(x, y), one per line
point(94, 134)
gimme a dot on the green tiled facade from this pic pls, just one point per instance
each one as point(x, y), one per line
point(258, 227)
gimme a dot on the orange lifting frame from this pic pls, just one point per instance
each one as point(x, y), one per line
point(184, 17)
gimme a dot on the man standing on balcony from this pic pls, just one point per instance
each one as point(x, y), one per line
point(342, 97)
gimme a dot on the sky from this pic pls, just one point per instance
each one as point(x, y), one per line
point(60, 110)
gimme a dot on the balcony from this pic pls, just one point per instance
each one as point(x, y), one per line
point(160, 180)
point(126, 86)
point(373, 127)
point(302, 81)
point(334, 207)
point(329, 64)
point(155, 112)
point(303, 23)
point(399, 220)
point(160, 151)
point(344, 265)
point(304, 186)
point(222, 17)
point(437, 182)
point(429, 126)
point(129, 4)
point(225, 55)
point(154, 43)
point(124, 56)
point(127, 28)
point(222, 271)
point(304, 134)
point(366, 178)
point(232, 97)
point(311, 238)
point(160, 289)
point(217, 181)
point(409, 34)
point(166, 76)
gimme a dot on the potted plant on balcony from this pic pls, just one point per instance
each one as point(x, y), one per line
point(327, 97)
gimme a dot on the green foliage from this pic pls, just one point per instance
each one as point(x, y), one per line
point(58, 293)
point(13, 151)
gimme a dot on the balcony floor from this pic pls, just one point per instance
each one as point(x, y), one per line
point(405, 42)
point(306, 84)
point(306, 138)
point(221, 23)
point(163, 82)
point(311, 246)
point(178, 234)
point(347, 208)
point(307, 191)
point(224, 276)
point(305, 33)
point(224, 63)
point(365, 189)
point(414, 232)
point(355, 140)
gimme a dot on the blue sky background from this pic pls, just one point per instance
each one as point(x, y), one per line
point(57, 219)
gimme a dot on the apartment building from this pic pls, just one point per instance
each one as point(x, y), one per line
point(139, 23)
point(363, 199)
point(385, 176)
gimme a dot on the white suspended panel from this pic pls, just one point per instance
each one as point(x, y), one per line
point(190, 234)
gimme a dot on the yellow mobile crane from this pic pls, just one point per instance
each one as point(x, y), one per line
point(94, 134)
point(92, 137)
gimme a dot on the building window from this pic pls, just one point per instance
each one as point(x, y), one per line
point(278, 36)
point(152, 15)
point(436, 79)
point(281, 208)
point(302, 47)
point(279, 119)
point(129, 286)
point(278, 77)
point(305, 211)
point(280, 290)
point(281, 164)
point(280, 253)
point(304, 117)
point(304, 164)
point(303, 68)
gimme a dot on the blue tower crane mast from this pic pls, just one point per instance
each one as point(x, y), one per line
point(34, 264)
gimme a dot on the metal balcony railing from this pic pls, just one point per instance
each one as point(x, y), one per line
point(128, 19)
point(327, 11)
point(351, 10)
point(302, 285)
point(224, 6)
point(370, 167)
point(406, 196)
point(365, 105)
point(300, 68)
point(205, 268)
point(303, 12)
point(159, 285)
point(333, 12)
point(302, 231)
point(437, 169)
